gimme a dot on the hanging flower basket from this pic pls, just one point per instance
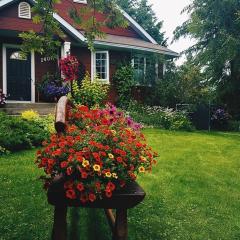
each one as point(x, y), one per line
point(69, 67)
point(100, 151)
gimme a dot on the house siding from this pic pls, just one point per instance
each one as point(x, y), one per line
point(9, 20)
point(63, 12)
point(115, 57)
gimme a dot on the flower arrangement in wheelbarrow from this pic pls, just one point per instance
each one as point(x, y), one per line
point(100, 151)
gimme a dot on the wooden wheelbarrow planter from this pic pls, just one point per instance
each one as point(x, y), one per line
point(128, 197)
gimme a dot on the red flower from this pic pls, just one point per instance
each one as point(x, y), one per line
point(83, 108)
point(63, 164)
point(57, 152)
point(83, 198)
point(92, 197)
point(68, 184)
point(98, 186)
point(80, 187)
point(108, 194)
point(122, 183)
point(84, 175)
point(119, 159)
point(111, 186)
point(70, 193)
point(69, 171)
point(79, 158)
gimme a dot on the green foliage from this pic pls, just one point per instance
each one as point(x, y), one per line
point(124, 81)
point(44, 42)
point(234, 125)
point(85, 17)
point(90, 93)
point(3, 151)
point(184, 84)
point(30, 115)
point(143, 13)
point(17, 134)
point(160, 117)
point(215, 26)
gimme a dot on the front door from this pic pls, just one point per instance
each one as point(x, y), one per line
point(18, 75)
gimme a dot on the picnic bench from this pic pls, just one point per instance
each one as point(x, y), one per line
point(128, 197)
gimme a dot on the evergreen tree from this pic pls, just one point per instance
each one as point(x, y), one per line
point(215, 25)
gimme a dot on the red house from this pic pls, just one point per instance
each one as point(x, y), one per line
point(18, 77)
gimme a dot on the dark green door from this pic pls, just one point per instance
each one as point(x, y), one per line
point(18, 75)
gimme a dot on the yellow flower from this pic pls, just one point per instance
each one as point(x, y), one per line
point(108, 174)
point(113, 132)
point(141, 169)
point(110, 156)
point(114, 175)
point(96, 167)
point(143, 158)
point(85, 163)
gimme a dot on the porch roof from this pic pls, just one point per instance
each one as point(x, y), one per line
point(134, 44)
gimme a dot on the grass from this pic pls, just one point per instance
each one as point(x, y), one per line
point(193, 193)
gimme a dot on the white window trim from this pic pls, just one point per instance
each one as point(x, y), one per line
point(19, 12)
point(4, 60)
point(145, 67)
point(80, 1)
point(93, 66)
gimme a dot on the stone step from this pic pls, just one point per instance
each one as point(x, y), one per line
point(18, 108)
point(30, 105)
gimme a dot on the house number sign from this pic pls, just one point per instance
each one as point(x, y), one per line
point(46, 59)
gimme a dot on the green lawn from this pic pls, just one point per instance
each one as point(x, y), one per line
point(193, 193)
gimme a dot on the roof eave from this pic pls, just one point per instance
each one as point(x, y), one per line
point(138, 48)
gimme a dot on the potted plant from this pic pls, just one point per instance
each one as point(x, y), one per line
point(100, 151)
point(52, 87)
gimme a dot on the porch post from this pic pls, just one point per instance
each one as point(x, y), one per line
point(164, 68)
point(66, 49)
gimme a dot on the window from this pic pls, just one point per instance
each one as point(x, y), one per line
point(80, 1)
point(24, 10)
point(100, 65)
point(144, 70)
point(17, 56)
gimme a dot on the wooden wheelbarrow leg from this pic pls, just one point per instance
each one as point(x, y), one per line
point(121, 228)
point(59, 231)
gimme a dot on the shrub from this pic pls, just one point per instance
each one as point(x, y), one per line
point(124, 81)
point(156, 116)
point(30, 115)
point(219, 119)
point(90, 93)
point(234, 125)
point(3, 151)
point(17, 133)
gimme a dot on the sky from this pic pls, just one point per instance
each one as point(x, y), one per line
point(170, 12)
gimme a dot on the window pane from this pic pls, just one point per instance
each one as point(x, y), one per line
point(101, 65)
point(17, 56)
